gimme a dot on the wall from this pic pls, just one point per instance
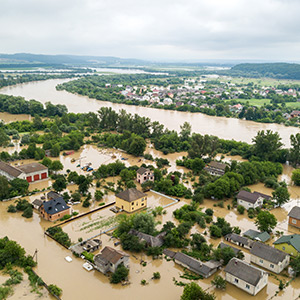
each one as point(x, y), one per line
point(131, 206)
point(287, 249)
point(296, 224)
point(266, 264)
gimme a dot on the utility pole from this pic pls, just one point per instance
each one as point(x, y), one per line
point(35, 255)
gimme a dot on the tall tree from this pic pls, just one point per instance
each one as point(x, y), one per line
point(295, 149)
point(265, 221)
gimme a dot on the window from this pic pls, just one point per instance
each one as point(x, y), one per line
point(272, 266)
point(283, 248)
point(236, 280)
point(294, 221)
point(132, 203)
point(261, 261)
point(247, 286)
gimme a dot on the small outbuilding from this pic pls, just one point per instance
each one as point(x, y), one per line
point(294, 216)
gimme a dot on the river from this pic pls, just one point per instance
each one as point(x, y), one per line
point(226, 128)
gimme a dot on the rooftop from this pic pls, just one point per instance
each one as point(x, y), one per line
point(110, 255)
point(295, 213)
point(33, 167)
point(142, 170)
point(244, 271)
point(268, 253)
point(131, 195)
point(293, 240)
point(256, 235)
point(55, 206)
point(217, 165)
point(11, 170)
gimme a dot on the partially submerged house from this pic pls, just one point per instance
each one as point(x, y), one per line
point(216, 168)
point(289, 244)
point(109, 259)
point(251, 200)
point(235, 250)
point(205, 269)
point(89, 246)
point(294, 216)
point(239, 240)
point(269, 258)
point(37, 203)
point(246, 277)
point(54, 209)
point(131, 200)
point(256, 235)
point(144, 174)
point(151, 241)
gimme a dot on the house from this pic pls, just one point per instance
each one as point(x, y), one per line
point(151, 241)
point(167, 101)
point(205, 269)
point(246, 277)
point(37, 204)
point(269, 258)
point(235, 250)
point(215, 168)
point(31, 172)
point(143, 175)
point(294, 216)
point(109, 259)
point(289, 244)
point(295, 113)
point(239, 240)
point(89, 246)
point(256, 235)
point(53, 195)
point(251, 200)
point(54, 209)
point(131, 200)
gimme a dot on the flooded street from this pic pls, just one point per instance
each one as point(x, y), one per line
point(226, 128)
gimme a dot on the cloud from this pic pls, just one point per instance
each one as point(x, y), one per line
point(156, 29)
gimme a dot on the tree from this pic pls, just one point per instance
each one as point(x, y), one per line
point(60, 183)
point(294, 156)
point(120, 274)
point(241, 209)
point(4, 138)
point(296, 176)
point(193, 291)
point(225, 254)
point(266, 145)
point(4, 188)
point(281, 195)
point(144, 223)
point(215, 231)
point(185, 132)
point(56, 165)
point(98, 195)
point(219, 282)
point(55, 290)
point(295, 264)
point(28, 212)
point(47, 162)
point(55, 150)
point(265, 221)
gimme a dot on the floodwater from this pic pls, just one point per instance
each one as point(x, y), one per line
point(227, 128)
point(8, 118)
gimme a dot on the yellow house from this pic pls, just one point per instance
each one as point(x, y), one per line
point(131, 200)
point(289, 244)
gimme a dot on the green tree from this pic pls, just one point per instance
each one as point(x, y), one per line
point(296, 176)
point(47, 162)
point(266, 145)
point(4, 188)
point(120, 274)
point(294, 156)
point(219, 282)
point(98, 195)
point(4, 138)
point(28, 212)
point(215, 231)
point(281, 195)
point(193, 291)
point(185, 132)
point(56, 165)
point(55, 150)
point(265, 221)
point(55, 290)
point(60, 183)
point(144, 223)
point(241, 209)
point(295, 264)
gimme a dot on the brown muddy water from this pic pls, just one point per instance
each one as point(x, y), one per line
point(226, 128)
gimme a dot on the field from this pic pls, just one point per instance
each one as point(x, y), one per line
point(295, 105)
point(253, 101)
point(261, 81)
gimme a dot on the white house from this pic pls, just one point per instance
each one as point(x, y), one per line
point(167, 101)
point(246, 277)
point(251, 200)
point(269, 258)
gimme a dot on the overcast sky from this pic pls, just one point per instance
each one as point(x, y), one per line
point(153, 29)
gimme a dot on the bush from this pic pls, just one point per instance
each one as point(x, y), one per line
point(143, 282)
point(241, 209)
point(55, 290)
point(219, 282)
point(11, 209)
point(120, 274)
point(28, 212)
point(209, 212)
point(156, 275)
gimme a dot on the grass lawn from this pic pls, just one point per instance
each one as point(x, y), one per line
point(253, 101)
point(295, 105)
point(262, 81)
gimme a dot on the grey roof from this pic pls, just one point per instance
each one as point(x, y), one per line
point(55, 206)
point(142, 170)
point(109, 255)
point(169, 253)
point(267, 197)
point(223, 245)
point(268, 253)
point(53, 195)
point(11, 170)
point(244, 271)
point(131, 195)
point(295, 213)
point(152, 241)
point(37, 202)
point(239, 239)
point(261, 236)
point(217, 165)
point(33, 167)
point(247, 196)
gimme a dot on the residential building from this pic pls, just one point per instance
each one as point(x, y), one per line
point(205, 269)
point(251, 200)
point(235, 250)
point(295, 113)
point(37, 203)
point(289, 244)
point(256, 235)
point(109, 259)
point(168, 101)
point(54, 209)
point(246, 277)
point(131, 200)
point(294, 216)
point(144, 174)
point(239, 240)
point(216, 168)
point(269, 258)
point(151, 241)
point(31, 172)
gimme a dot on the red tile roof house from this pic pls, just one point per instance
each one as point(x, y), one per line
point(31, 172)
point(143, 175)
